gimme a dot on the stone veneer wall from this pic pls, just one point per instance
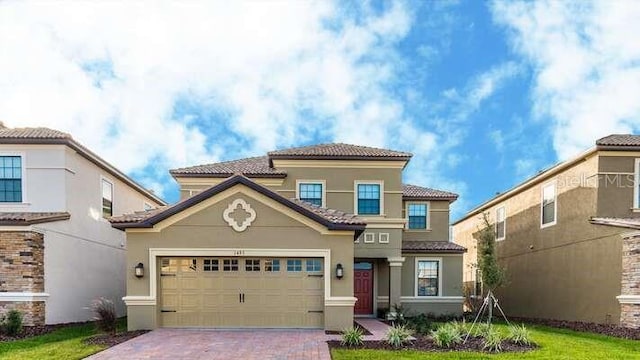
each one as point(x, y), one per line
point(22, 270)
point(629, 312)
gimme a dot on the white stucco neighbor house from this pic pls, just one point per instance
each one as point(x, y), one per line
point(58, 252)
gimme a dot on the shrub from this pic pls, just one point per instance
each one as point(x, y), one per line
point(398, 335)
point(461, 326)
point(352, 336)
point(105, 315)
point(447, 335)
point(480, 329)
point(493, 341)
point(519, 335)
point(421, 324)
point(400, 317)
point(12, 323)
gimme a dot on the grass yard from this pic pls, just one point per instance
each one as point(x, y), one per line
point(64, 343)
point(557, 344)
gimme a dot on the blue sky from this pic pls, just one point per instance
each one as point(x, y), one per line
point(484, 94)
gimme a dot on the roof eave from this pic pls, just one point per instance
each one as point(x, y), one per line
point(337, 157)
point(429, 198)
point(35, 221)
point(618, 147)
point(409, 251)
point(225, 175)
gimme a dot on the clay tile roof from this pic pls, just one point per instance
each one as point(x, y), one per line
point(339, 151)
point(137, 216)
point(32, 133)
point(630, 223)
point(29, 218)
point(416, 246)
point(410, 192)
point(619, 140)
point(332, 215)
point(250, 167)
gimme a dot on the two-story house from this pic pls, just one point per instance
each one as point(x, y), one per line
point(302, 237)
point(58, 251)
point(566, 237)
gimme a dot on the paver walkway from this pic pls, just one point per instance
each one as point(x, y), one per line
point(222, 344)
point(377, 328)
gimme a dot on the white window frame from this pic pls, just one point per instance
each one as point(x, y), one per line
point(113, 197)
point(383, 238)
point(355, 195)
point(369, 238)
point(23, 160)
point(636, 185)
point(440, 276)
point(555, 204)
point(503, 208)
point(313, 182)
point(428, 214)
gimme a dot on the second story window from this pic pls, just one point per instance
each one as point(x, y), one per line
point(501, 223)
point(548, 216)
point(311, 193)
point(368, 199)
point(417, 214)
point(107, 198)
point(10, 179)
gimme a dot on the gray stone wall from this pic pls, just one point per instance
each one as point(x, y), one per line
point(630, 313)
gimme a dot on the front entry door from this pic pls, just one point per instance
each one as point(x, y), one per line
point(363, 288)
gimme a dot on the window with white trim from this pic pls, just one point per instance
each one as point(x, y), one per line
point(211, 265)
point(428, 277)
point(310, 192)
point(417, 216)
point(11, 178)
point(548, 205)
point(107, 198)
point(368, 195)
point(252, 265)
point(501, 223)
point(636, 186)
point(272, 265)
point(314, 265)
point(369, 238)
point(383, 238)
point(294, 265)
point(230, 265)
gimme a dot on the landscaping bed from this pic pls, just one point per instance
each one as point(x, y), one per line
point(603, 329)
point(109, 340)
point(424, 343)
point(31, 331)
point(355, 326)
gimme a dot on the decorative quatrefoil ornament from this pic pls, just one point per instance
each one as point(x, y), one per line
point(234, 213)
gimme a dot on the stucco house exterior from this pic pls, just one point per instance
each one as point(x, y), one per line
point(569, 238)
point(304, 238)
point(58, 251)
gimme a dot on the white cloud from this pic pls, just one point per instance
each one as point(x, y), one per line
point(586, 62)
point(271, 73)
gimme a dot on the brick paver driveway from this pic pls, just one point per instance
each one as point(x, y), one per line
point(222, 344)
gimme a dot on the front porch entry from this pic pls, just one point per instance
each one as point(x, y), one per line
point(363, 287)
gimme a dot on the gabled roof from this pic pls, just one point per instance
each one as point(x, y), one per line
point(339, 151)
point(629, 223)
point(46, 136)
point(30, 218)
point(428, 247)
point(414, 192)
point(250, 167)
point(332, 219)
point(619, 140)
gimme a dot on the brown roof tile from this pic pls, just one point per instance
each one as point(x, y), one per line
point(415, 246)
point(335, 216)
point(250, 167)
point(32, 133)
point(629, 223)
point(424, 193)
point(29, 218)
point(619, 140)
point(339, 151)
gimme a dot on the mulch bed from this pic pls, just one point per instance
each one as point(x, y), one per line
point(109, 340)
point(355, 325)
point(31, 331)
point(603, 329)
point(424, 343)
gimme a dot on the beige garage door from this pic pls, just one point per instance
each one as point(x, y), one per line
point(241, 292)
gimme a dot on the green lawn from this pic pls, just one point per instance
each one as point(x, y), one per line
point(65, 344)
point(557, 344)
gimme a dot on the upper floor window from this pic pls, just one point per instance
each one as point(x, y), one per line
point(417, 214)
point(10, 179)
point(310, 192)
point(428, 277)
point(107, 198)
point(501, 223)
point(368, 199)
point(636, 187)
point(548, 205)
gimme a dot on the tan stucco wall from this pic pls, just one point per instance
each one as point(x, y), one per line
point(271, 229)
point(438, 222)
point(615, 192)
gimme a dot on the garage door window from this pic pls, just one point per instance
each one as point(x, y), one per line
point(252, 265)
point(169, 266)
point(188, 265)
point(294, 265)
point(314, 265)
point(230, 265)
point(211, 265)
point(272, 265)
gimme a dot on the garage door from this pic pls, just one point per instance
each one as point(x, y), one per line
point(241, 292)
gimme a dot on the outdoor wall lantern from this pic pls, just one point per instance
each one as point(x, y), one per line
point(139, 270)
point(339, 271)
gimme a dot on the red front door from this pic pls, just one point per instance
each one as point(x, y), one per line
point(363, 291)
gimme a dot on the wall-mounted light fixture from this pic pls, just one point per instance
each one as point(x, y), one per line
point(339, 271)
point(139, 270)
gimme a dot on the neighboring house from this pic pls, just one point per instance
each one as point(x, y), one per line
point(271, 242)
point(58, 252)
point(566, 237)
